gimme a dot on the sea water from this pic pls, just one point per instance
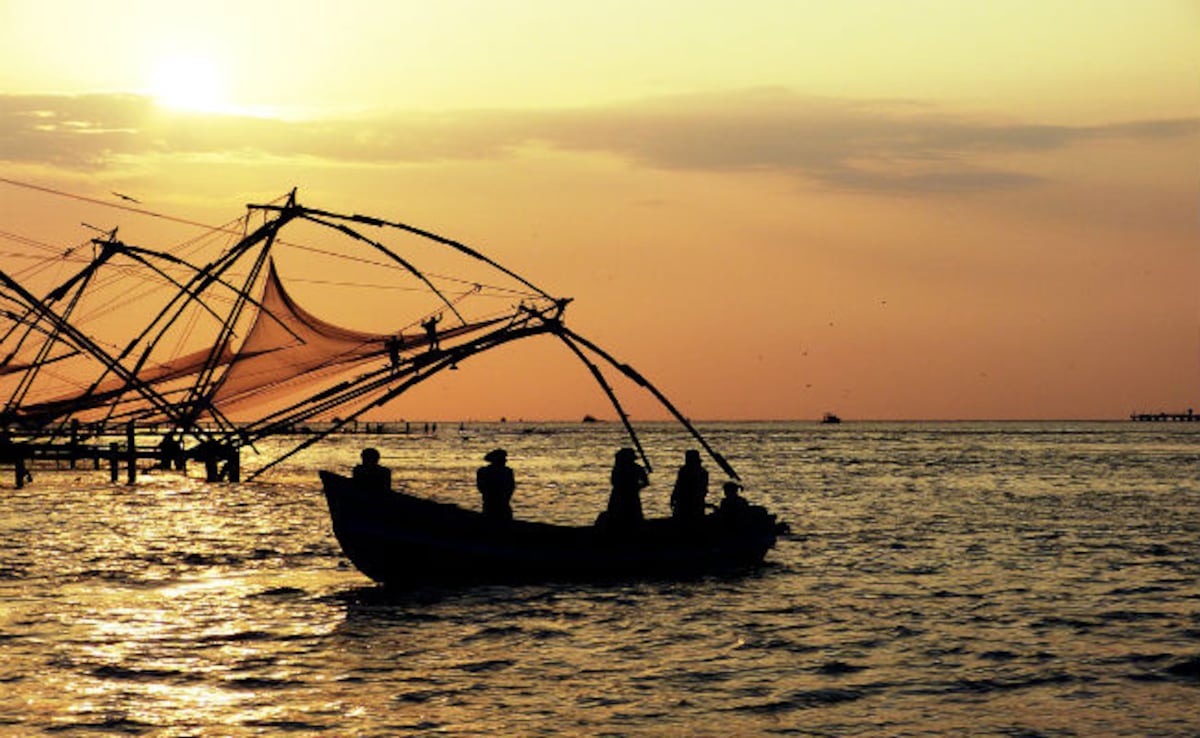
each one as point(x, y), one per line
point(990, 579)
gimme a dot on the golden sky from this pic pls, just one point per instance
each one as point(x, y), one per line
point(892, 209)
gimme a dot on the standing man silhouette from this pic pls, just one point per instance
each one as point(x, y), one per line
point(496, 484)
point(625, 501)
point(691, 487)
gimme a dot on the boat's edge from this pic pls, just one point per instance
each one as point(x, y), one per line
point(453, 545)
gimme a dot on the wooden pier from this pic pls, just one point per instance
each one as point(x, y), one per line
point(221, 462)
point(1188, 417)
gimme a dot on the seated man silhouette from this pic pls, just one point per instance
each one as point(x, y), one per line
point(370, 474)
point(733, 505)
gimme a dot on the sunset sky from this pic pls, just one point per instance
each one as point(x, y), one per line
point(891, 209)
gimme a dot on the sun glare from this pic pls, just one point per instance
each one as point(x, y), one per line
point(187, 83)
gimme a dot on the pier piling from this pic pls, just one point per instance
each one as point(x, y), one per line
point(222, 462)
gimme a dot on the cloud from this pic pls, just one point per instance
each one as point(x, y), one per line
point(882, 145)
point(70, 131)
point(868, 145)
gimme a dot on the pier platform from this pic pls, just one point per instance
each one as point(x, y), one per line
point(221, 461)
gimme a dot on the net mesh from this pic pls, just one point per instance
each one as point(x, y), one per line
point(288, 352)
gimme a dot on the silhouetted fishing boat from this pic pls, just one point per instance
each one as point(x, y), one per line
point(398, 539)
point(225, 356)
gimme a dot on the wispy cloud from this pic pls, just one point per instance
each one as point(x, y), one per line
point(886, 145)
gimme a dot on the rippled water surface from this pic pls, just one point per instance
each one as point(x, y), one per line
point(940, 579)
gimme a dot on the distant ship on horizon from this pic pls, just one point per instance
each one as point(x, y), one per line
point(1189, 416)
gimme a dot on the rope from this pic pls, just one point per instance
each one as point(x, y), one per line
point(228, 229)
point(102, 203)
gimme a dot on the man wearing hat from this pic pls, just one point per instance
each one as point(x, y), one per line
point(496, 483)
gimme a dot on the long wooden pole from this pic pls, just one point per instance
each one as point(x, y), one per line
point(82, 341)
point(82, 277)
point(130, 453)
point(612, 396)
point(394, 257)
point(643, 382)
point(456, 245)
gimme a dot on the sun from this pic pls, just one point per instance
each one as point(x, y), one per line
point(187, 83)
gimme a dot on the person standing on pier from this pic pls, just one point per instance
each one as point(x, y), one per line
point(169, 452)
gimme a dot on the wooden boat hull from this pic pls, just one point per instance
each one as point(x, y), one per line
point(402, 540)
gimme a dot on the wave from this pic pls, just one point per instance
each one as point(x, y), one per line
point(126, 673)
point(805, 699)
point(987, 685)
point(117, 724)
point(1185, 669)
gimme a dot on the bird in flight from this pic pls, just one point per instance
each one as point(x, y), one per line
point(127, 197)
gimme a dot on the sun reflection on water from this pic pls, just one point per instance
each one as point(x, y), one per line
point(183, 652)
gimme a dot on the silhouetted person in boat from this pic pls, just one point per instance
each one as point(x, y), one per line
point(733, 505)
point(496, 484)
point(370, 474)
point(691, 487)
point(625, 502)
point(431, 335)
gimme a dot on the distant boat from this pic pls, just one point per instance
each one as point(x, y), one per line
point(402, 540)
point(830, 418)
point(589, 419)
point(1189, 417)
